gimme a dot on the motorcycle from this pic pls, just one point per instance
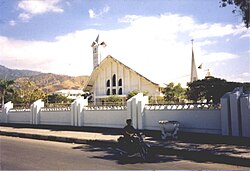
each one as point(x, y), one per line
point(133, 146)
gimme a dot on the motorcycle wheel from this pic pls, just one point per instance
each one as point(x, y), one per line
point(144, 152)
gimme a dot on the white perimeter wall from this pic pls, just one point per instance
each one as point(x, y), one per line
point(19, 117)
point(104, 118)
point(202, 121)
point(55, 118)
point(192, 118)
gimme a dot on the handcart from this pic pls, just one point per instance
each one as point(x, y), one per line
point(169, 129)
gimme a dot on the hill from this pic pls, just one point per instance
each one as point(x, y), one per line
point(53, 82)
point(11, 74)
point(47, 82)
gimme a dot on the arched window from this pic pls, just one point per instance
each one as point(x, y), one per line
point(108, 91)
point(108, 83)
point(113, 91)
point(114, 80)
point(120, 91)
point(120, 82)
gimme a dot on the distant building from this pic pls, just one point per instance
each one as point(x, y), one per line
point(112, 77)
point(70, 94)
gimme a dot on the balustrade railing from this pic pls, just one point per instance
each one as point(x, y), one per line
point(106, 107)
point(54, 109)
point(186, 106)
point(19, 110)
point(51, 107)
point(20, 107)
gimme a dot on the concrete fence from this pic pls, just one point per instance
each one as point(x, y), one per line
point(231, 118)
point(235, 113)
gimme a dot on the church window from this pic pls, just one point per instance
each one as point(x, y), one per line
point(114, 80)
point(120, 82)
point(108, 91)
point(120, 91)
point(108, 83)
point(113, 91)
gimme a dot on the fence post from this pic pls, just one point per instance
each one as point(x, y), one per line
point(245, 114)
point(235, 111)
point(77, 111)
point(32, 114)
point(140, 113)
point(129, 108)
point(6, 108)
point(72, 106)
point(36, 111)
point(81, 102)
point(225, 115)
point(132, 105)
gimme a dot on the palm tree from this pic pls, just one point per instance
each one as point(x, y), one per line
point(5, 88)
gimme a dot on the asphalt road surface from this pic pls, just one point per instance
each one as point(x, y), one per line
point(28, 154)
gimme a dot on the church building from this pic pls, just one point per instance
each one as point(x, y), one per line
point(111, 77)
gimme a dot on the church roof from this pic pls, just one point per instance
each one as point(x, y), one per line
point(96, 71)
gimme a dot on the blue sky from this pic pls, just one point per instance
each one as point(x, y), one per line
point(150, 36)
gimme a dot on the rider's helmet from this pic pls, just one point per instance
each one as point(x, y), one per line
point(128, 121)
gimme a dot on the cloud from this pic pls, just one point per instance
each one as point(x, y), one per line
point(214, 30)
point(219, 56)
point(150, 45)
point(245, 36)
point(93, 14)
point(24, 17)
point(36, 7)
point(241, 77)
point(62, 55)
point(128, 18)
point(12, 22)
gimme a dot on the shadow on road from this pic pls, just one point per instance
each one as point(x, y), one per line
point(160, 155)
point(110, 153)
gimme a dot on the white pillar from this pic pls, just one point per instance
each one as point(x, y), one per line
point(235, 111)
point(129, 108)
point(77, 111)
point(245, 114)
point(72, 111)
point(81, 102)
point(132, 105)
point(36, 111)
point(140, 108)
point(32, 114)
point(6, 108)
point(225, 115)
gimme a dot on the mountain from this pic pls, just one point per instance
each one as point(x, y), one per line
point(11, 74)
point(47, 82)
point(53, 82)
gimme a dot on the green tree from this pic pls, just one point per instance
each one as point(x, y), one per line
point(5, 88)
point(114, 100)
point(212, 89)
point(135, 92)
point(174, 93)
point(241, 7)
point(27, 92)
point(57, 98)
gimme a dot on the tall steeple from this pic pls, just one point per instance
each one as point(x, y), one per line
point(95, 52)
point(194, 75)
point(95, 46)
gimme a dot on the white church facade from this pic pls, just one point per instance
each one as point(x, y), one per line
point(112, 77)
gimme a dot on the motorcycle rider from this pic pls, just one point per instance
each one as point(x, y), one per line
point(131, 143)
point(129, 132)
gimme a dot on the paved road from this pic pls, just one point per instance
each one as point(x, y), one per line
point(20, 153)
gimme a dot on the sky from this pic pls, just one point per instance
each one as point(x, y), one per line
point(153, 37)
